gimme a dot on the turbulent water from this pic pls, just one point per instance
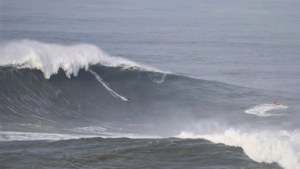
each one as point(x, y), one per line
point(109, 84)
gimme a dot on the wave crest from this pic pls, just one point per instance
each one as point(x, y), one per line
point(282, 147)
point(49, 58)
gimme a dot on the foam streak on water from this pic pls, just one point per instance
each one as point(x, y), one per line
point(30, 136)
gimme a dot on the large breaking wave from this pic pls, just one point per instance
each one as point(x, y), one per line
point(65, 92)
point(49, 58)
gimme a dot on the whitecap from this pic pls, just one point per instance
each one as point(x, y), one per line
point(263, 110)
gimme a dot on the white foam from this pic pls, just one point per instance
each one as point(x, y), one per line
point(282, 147)
point(262, 110)
point(50, 57)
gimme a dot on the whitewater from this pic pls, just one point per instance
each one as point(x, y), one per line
point(263, 146)
point(261, 110)
point(49, 58)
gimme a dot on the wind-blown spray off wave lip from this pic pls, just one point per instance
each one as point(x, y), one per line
point(261, 110)
point(49, 58)
point(282, 147)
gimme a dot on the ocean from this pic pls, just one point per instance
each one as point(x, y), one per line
point(101, 84)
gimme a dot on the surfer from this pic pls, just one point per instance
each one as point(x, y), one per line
point(128, 99)
point(276, 103)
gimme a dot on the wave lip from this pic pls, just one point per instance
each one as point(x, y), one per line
point(49, 58)
point(262, 110)
point(282, 147)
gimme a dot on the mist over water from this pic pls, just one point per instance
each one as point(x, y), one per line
point(197, 73)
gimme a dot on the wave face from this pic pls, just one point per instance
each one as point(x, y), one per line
point(57, 92)
point(31, 101)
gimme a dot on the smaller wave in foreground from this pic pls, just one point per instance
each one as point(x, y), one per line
point(282, 147)
point(263, 110)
